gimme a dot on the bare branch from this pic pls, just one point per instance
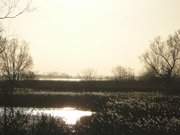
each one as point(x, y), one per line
point(11, 8)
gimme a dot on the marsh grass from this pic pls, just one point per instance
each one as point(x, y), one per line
point(118, 114)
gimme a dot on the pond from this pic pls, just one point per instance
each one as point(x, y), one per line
point(70, 115)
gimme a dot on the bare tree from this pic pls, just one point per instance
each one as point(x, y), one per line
point(122, 73)
point(15, 60)
point(15, 63)
point(13, 8)
point(163, 57)
point(88, 74)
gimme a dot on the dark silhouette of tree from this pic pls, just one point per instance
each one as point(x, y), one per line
point(15, 60)
point(163, 57)
point(13, 8)
point(15, 64)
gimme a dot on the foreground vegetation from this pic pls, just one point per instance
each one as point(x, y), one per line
point(122, 114)
point(135, 115)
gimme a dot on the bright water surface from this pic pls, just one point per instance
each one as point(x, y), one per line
point(68, 114)
point(61, 79)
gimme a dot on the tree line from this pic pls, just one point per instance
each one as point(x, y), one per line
point(161, 60)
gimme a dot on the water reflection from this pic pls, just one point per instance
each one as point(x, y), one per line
point(68, 114)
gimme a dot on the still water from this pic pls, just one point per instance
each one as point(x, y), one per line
point(70, 115)
point(61, 79)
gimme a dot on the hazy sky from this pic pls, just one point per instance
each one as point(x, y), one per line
point(72, 35)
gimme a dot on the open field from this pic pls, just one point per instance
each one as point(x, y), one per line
point(94, 86)
point(50, 100)
point(85, 100)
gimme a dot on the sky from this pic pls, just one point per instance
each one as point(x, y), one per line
point(73, 35)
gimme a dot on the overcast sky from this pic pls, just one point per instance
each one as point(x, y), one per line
point(73, 35)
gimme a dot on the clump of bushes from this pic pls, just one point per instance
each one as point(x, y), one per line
point(134, 116)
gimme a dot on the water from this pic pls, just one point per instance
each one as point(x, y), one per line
point(69, 114)
point(68, 79)
point(61, 79)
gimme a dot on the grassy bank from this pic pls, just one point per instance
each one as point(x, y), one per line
point(85, 101)
point(95, 86)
